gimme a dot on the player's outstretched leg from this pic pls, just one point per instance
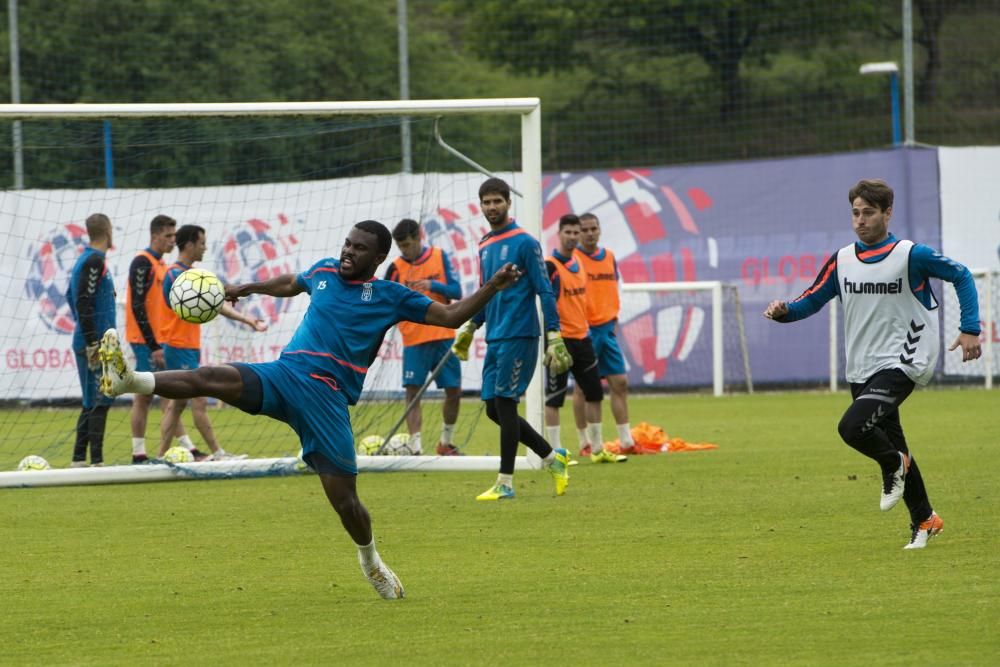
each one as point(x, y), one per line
point(383, 579)
point(117, 377)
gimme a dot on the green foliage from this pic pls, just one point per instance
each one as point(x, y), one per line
point(769, 550)
point(622, 83)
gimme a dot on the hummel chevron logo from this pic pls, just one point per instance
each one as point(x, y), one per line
point(916, 327)
point(911, 339)
point(870, 424)
point(906, 360)
point(908, 349)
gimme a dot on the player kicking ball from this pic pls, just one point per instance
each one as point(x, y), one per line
point(321, 370)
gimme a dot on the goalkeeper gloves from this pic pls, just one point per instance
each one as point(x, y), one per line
point(93, 358)
point(557, 358)
point(463, 340)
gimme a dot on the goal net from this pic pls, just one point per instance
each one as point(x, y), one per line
point(276, 187)
point(986, 369)
point(685, 335)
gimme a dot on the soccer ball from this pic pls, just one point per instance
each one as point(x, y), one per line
point(33, 462)
point(370, 445)
point(197, 296)
point(178, 455)
point(399, 445)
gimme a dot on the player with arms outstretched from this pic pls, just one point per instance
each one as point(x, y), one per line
point(321, 370)
point(892, 340)
point(512, 339)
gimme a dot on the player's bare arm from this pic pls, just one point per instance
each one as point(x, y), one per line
point(284, 285)
point(456, 314)
point(971, 349)
point(237, 316)
point(775, 310)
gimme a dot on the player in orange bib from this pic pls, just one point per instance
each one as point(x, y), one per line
point(427, 270)
point(603, 304)
point(569, 284)
point(145, 316)
point(182, 348)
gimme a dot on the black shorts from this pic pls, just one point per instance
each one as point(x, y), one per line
point(585, 374)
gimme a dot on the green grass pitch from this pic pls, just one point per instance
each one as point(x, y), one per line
point(770, 550)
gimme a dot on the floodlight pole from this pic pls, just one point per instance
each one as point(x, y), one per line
point(908, 70)
point(15, 93)
point(404, 83)
point(892, 69)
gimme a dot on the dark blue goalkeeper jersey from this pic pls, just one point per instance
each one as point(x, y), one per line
point(91, 296)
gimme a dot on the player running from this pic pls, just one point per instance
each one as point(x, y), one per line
point(321, 370)
point(892, 340)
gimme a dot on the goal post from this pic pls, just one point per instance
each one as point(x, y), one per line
point(24, 388)
point(676, 334)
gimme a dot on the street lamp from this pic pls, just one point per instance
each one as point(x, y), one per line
point(892, 69)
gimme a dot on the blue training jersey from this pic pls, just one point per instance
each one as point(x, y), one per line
point(925, 263)
point(512, 313)
point(345, 323)
point(91, 296)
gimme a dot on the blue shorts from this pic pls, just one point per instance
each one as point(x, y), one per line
point(89, 381)
point(508, 367)
point(420, 360)
point(610, 360)
point(181, 358)
point(316, 409)
point(143, 357)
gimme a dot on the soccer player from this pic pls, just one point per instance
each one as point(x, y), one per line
point(182, 350)
point(427, 270)
point(91, 297)
point(603, 304)
point(512, 339)
point(569, 283)
point(892, 340)
point(145, 317)
point(321, 370)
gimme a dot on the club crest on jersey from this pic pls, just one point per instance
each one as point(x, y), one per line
point(366, 292)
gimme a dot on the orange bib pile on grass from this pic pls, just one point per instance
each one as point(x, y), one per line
point(651, 439)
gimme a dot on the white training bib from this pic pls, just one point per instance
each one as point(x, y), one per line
point(885, 324)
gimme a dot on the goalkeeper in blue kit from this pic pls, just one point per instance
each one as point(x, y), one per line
point(512, 339)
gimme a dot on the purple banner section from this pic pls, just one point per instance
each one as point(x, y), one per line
point(766, 226)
